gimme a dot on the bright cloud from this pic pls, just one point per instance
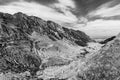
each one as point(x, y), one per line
point(106, 11)
point(102, 28)
point(39, 10)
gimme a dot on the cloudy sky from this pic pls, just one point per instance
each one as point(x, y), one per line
point(98, 18)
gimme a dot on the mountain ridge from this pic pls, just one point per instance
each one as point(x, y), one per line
point(27, 24)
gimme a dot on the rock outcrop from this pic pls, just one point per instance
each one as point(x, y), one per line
point(107, 40)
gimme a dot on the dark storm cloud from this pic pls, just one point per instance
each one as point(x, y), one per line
point(107, 11)
point(83, 7)
point(86, 6)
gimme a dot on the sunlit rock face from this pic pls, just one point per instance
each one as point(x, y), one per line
point(29, 46)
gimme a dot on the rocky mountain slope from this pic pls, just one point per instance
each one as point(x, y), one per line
point(103, 64)
point(34, 49)
point(30, 46)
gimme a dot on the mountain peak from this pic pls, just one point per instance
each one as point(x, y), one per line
point(20, 15)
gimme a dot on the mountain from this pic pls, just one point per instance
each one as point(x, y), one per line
point(108, 40)
point(34, 49)
point(24, 25)
point(29, 45)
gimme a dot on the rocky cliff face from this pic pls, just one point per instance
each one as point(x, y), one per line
point(27, 41)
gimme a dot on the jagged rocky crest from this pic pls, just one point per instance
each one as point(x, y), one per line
point(17, 52)
point(108, 40)
point(19, 26)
